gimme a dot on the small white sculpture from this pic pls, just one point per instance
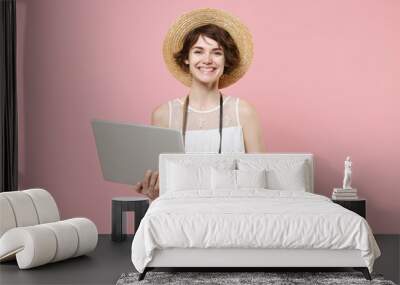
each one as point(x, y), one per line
point(347, 174)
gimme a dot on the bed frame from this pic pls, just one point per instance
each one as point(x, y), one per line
point(242, 259)
point(246, 258)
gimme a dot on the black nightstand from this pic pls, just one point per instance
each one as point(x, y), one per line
point(120, 205)
point(357, 206)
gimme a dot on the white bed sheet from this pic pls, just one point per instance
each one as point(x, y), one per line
point(250, 218)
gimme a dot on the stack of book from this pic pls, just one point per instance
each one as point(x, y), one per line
point(344, 194)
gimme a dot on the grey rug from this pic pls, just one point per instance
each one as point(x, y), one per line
point(270, 278)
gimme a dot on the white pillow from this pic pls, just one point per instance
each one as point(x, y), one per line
point(251, 178)
point(283, 174)
point(287, 179)
point(223, 179)
point(236, 179)
point(182, 177)
point(188, 175)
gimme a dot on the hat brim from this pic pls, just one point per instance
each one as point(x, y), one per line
point(239, 32)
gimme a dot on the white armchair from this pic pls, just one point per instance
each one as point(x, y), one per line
point(31, 230)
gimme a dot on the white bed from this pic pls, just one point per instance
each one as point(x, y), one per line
point(198, 223)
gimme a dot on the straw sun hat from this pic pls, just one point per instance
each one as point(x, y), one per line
point(174, 41)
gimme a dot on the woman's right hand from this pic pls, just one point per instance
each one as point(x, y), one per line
point(149, 186)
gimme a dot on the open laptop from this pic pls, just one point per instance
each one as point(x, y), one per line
point(126, 151)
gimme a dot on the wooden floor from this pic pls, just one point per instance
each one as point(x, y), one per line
point(111, 259)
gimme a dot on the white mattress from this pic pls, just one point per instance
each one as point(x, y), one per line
point(251, 218)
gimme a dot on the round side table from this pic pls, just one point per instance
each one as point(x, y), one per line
point(120, 205)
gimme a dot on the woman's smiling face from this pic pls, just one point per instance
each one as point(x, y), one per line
point(206, 60)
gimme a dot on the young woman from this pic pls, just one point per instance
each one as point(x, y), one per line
point(207, 59)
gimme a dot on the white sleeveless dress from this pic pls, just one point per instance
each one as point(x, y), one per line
point(202, 134)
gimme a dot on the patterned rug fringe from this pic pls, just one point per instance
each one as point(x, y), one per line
point(244, 278)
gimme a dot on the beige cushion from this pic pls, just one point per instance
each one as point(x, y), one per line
point(23, 208)
point(7, 219)
point(45, 206)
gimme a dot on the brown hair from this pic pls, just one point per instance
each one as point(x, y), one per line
point(221, 36)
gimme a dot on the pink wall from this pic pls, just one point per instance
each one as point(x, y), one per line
point(325, 79)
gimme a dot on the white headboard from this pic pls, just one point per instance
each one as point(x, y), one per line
point(205, 157)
